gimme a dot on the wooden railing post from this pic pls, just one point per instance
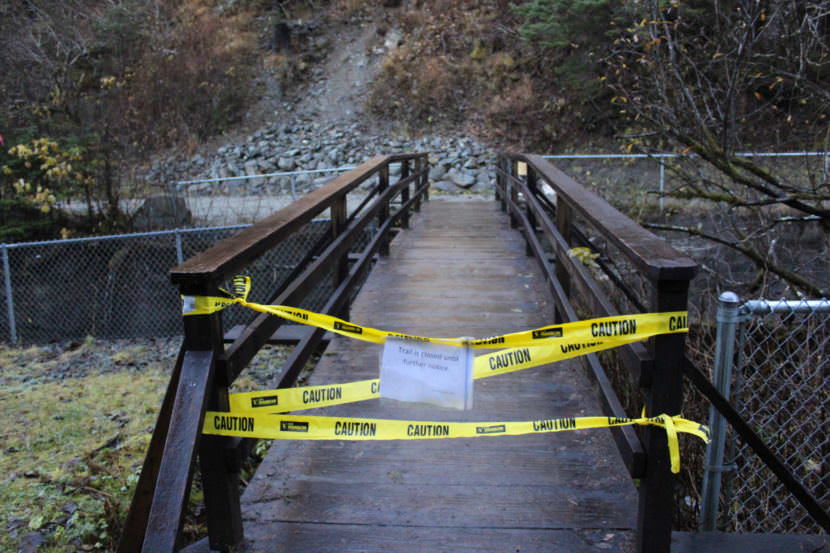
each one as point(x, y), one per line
point(501, 165)
point(135, 527)
point(196, 391)
point(217, 458)
point(425, 176)
point(665, 396)
point(532, 188)
point(405, 193)
point(339, 222)
point(419, 166)
point(383, 184)
point(512, 192)
point(564, 220)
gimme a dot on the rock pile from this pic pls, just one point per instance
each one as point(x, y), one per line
point(458, 164)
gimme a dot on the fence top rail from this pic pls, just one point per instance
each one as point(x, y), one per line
point(276, 174)
point(125, 236)
point(675, 155)
point(655, 256)
point(766, 307)
point(199, 274)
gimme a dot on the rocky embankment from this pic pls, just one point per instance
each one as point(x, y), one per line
point(458, 164)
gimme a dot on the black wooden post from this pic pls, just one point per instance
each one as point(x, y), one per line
point(531, 188)
point(500, 166)
point(425, 177)
point(419, 166)
point(656, 504)
point(218, 458)
point(512, 193)
point(405, 193)
point(339, 219)
point(564, 220)
point(383, 215)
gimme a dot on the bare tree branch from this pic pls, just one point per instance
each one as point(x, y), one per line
point(761, 260)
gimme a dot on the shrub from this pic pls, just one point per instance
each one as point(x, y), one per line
point(41, 172)
point(431, 91)
point(563, 23)
point(507, 72)
point(192, 83)
point(20, 220)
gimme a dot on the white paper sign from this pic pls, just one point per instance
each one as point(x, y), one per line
point(427, 373)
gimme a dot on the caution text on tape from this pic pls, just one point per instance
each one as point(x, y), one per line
point(269, 426)
point(258, 414)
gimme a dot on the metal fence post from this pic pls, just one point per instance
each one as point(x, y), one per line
point(7, 278)
point(727, 319)
point(179, 251)
point(425, 178)
point(662, 183)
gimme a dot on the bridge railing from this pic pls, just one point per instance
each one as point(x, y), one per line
point(545, 204)
point(206, 368)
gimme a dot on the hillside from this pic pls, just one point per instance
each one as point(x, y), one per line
point(105, 100)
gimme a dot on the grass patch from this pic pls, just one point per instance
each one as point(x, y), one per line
point(72, 447)
point(75, 422)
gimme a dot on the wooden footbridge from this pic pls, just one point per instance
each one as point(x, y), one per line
point(437, 268)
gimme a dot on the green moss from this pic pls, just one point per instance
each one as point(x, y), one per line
point(72, 452)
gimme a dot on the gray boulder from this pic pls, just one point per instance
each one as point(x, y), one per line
point(162, 212)
point(285, 164)
point(443, 186)
point(461, 179)
point(437, 172)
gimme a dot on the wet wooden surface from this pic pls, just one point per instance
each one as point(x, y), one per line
point(459, 271)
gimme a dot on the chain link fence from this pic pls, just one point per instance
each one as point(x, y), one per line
point(781, 386)
point(118, 286)
point(636, 183)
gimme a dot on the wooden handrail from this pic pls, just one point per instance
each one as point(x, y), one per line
point(654, 256)
point(209, 268)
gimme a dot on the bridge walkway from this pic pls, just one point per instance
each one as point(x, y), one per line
point(459, 270)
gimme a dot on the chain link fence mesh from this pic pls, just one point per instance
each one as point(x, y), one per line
point(783, 391)
point(118, 286)
point(634, 182)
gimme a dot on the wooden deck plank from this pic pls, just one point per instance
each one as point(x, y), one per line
point(459, 271)
point(360, 538)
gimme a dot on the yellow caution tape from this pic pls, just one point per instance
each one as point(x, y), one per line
point(257, 414)
point(516, 359)
point(311, 397)
point(205, 305)
point(249, 424)
point(574, 336)
point(284, 400)
point(504, 361)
